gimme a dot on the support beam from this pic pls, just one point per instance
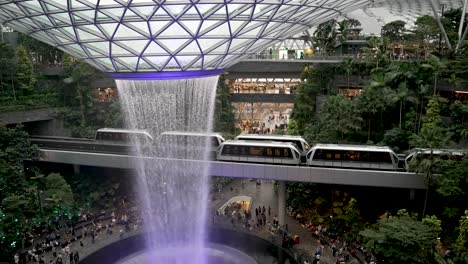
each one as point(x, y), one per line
point(462, 20)
point(441, 27)
point(461, 37)
point(282, 203)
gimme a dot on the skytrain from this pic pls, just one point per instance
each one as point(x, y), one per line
point(274, 149)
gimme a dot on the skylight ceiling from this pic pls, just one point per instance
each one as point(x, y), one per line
point(170, 35)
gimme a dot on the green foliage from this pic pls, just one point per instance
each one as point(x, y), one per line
point(224, 118)
point(40, 52)
point(304, 106)
point(403, 239)
point(453, 181)
point(25, 74)
point(432, 118)
point(461, 245)
point(14, 146)
point(394, 30)
point(58, 195)
point(8, 67)
point(324, 37)
point(92, 192)
point(338, 119)
point(85, 114)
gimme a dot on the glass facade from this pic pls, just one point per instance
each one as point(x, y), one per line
point(170, 35)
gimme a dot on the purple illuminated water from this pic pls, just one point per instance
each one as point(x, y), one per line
point(173, 196)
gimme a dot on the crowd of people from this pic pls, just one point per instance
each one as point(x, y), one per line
point(64, 241)
point(342, 251)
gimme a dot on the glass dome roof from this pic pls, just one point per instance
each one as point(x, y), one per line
point(166, 35)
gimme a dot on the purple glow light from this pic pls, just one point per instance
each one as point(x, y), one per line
point(164, 75)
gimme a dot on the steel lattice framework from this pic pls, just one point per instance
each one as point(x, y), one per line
point(166, 35)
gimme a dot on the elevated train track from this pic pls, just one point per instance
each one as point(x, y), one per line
point(90, 153)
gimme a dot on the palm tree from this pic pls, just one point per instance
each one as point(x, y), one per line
point(432, 139)
point(348, 66)
point(436, 66)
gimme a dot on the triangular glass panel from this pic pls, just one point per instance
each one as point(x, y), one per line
point(237, 44)
point(124, 32)
point(102, 46)
point(207, 44)
point(221, 31)
point(93, 30)
point(106, 3)
point(208, 59)
point(228, 60)
point(173, 44)
point(190, 49)
point(52, 8)
point(172, 64)
point(144, 11)
point(157, 61)
point(196, 64)
point(191, 11)
point(90, 3)
point(185, 60)
point(154, 49)
point(161, 14)
point(76, 4)
point(174, 10)
point(234, 8)
point(236, 25)
point(140, 27)
point(108, 28)
point(144, 65)
point(245, 14)
point(93, 53)
point(220, 49)
point(121, 66)
point(174, 30)
point(158, 26)
point(130, 15)
point(130, 61)
point(87, 15)
point(191, 25)
point(96, 52)
point(115, 13)
point(62, 17)
point(208, 24)
point(117, 50)
point(204, 8)
point(85, 36)
point(252, 32)
point(137, 46)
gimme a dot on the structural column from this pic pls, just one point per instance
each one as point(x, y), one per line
point(282, 203)
point(76, 169)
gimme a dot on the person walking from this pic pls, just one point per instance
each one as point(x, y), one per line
point(269, 211)
point(76, 257)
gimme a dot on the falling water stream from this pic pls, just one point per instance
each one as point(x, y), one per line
point(173, 196)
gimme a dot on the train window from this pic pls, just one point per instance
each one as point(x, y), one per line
point(298, 145)
point(337, 156)
point(243, 150)
point(255, 151)
point(214, 142)
point(226, 150)
point(277, 152)
point(287, 153)
point(269, 152)
point(235, 150)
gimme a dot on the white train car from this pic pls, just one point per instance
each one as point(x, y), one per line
point(184, 144)
point(277, 153)
point(123, 136)
point(300, 142)
point(443, 154)
point(353, 157)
